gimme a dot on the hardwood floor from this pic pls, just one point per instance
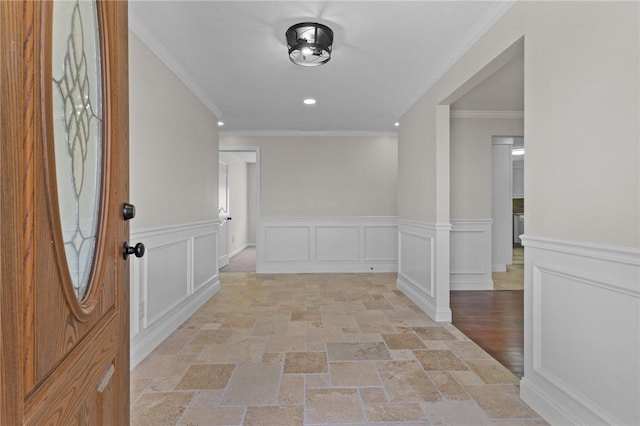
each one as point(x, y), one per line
point(495, 321)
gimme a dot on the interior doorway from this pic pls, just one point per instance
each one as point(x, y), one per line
point(240, 198)
point(487, 116)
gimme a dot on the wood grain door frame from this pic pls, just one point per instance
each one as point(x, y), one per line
point(27, 395)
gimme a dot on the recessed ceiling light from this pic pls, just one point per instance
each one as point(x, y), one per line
point(396, 124)
point(517, 151)
point(220, 123)
point(309, 101)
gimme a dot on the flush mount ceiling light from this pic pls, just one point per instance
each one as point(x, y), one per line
point(309, 101)
point(309, 44)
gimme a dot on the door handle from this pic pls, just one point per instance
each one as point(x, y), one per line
point(137, 250)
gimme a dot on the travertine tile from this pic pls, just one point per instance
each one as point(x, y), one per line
point(137, 386)
point(206, 398)
point(286, 344)
point(279, 343)
point(253, 384)
point(500, 401)
point(377, 304)
point(308, 315)
point(160, 409)
point(491, 372)
point(393, 412)
point(274, 415)
point(405, 381)
point(433, 333)
point(467, 378)
point(403, 341)
point(165, 384)
point(291, 390)
point(468, 350)
point(206, 376)
point(447, 385)
point(162, 366)
point(439, 360)
point(336, 405)
point(357, 351)
point(317, 381)
point(372, 395)
point(239, 322)
point(348, 374)
point(211, 337)
point(459, 413)
point(212, 416)
point(305, 362)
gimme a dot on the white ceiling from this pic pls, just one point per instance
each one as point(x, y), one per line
point(386, 54)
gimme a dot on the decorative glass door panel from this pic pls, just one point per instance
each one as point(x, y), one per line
point(78, 135)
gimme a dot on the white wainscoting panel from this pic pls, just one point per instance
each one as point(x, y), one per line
point(286, 243)
point(177, 275)
point(204, 249)
point(169, 281)
point(423, 266)
point(337, 243)
point(381, 243)
point(471, 254)
point(582, 332)
point(326, 245)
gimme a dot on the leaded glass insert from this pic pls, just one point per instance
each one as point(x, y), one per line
point(77, 124)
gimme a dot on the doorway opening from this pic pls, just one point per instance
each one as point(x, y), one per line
point(482, 195)
point(239, 195)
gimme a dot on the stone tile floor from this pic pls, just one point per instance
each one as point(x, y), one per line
point(320, 349)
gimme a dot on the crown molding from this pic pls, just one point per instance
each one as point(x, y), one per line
point(486, 114)
point(142, 32)
point(490, 17)
point(293, 133)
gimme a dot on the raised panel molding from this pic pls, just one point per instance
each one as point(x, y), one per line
point(177, 275)
point(326, 245)
point(471, 254)
point(582, 334)
point(423, 266)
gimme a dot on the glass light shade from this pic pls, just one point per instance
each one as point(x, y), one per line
point(309, 44)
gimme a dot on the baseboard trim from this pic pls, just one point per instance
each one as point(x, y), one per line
point(238, 250)
point(498, 268)
point(471, 284)
point(548, 408)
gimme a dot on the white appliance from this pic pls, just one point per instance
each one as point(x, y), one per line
point(518, 227)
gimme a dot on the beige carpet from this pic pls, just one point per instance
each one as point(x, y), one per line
point(245, 261)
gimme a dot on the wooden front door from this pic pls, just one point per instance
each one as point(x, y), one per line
point(64, 177)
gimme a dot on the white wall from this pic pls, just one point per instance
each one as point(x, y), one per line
point(324, 176)
point(173, 181)
point(328, 203)
point(173, 148)
point(238, 208)
point(473, 220)
point(471, 163)
point(582, 183)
